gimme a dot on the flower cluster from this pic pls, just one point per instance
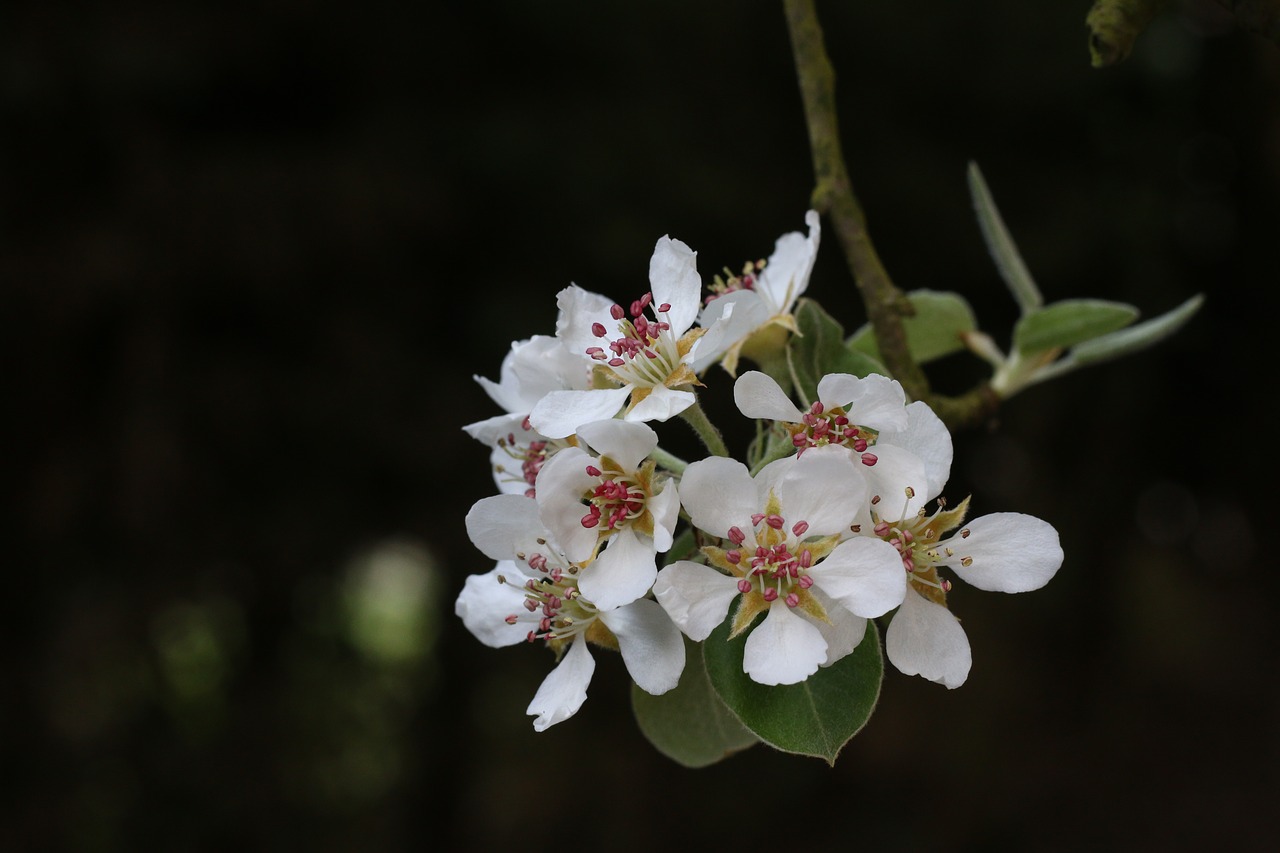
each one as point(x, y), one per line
point(834, 517)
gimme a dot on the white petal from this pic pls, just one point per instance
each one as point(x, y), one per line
point(787, 273)
point(564, 689)
point(624, 442)
point(925, 639)
point(719, 493)
point(673, 279)
point(785, 648)
point(661, 404)
point(895, 470)
point(624, 571)
point(929, 439)
point(696, 597)
point(875, 401)
point(864, 575)
point(579, 311)
point(728, 319)
point(758, 395)
point(562, 481)
point(845, 631)
point(502, 525)
point(823, 487)
point(560, 413)
point(485, 603)
point(650, 644)
point(664, 506)
point(1011, 552)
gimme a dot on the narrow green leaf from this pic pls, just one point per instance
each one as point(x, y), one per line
point(934, 331)
point(1138, 337)
point(1001, 246)
point(816, 717)
point(1070, 322)
point(689, 724)
point(820, 349)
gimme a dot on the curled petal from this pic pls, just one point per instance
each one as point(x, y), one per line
point(564, 689)
point(925, 639)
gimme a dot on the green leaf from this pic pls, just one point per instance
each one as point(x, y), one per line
point(1139, 337)
point(820, 349)
point(816, 717)
point(1001, 246)
point(934, 331)
point(689, 724)
point(1070, 322)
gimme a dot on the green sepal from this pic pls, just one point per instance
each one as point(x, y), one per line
point(689, 724)
point(820, 349)
point(816, 717)
point(1068, 323)
point(936, 329)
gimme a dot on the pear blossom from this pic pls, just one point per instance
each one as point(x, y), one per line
point(629, 508)
point(781, 555)
point(899, 446)
point(644, 350)
point(755, 307)
point(533, 594)
point(1000, 552)
point(530, 370)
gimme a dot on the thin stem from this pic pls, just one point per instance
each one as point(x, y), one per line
point(697, 418)
point(668, 461)
point(833, 196)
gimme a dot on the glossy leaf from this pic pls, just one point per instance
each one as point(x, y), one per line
point(690, 725)
point(816, 717)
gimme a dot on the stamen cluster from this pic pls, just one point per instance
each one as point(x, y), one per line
point(774, 567)
point(820, 426)
point(639, 333)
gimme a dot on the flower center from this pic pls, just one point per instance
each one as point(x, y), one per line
point(731, 281)
point(553, 607)
point(617, 499)
point(918, 542)
point(821, 426)
point(644, 351)
point(778, 567)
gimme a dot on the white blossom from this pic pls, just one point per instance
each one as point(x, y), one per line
point(782, 556)
point(751, 306)
point(532, 594)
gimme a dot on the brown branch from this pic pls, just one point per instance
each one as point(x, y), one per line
point(833, 196)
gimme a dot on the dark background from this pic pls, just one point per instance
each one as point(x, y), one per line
point(251, 257)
